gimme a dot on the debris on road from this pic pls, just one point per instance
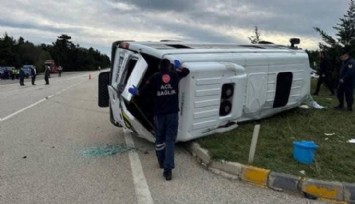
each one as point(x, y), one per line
point(106, 150)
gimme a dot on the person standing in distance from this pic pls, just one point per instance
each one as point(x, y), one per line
point(324, 73)
point(60, 70)
point(346, 81)
point(33, 75)
point(46, 75)
point(165, 86)
point(22, 77)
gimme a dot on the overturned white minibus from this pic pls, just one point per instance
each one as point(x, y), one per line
point(227, 84)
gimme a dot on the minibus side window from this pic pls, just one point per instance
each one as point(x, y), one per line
point(120, 61)
point(127, 72)
point(283, 89)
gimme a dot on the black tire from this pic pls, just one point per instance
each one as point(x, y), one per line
point(103, 90)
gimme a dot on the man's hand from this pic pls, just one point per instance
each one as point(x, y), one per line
point(341, 81)
point(133, 90)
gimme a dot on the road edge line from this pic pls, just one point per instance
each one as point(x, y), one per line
point(140, 183)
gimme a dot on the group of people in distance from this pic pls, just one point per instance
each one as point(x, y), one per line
point(346, 81)
point(47, 71)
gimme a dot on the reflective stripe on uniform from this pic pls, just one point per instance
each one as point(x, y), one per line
point(159, 147)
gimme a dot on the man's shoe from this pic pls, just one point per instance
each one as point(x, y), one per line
point(339, 107)
point(168, 175)
point(350, 109)
point(315, 94)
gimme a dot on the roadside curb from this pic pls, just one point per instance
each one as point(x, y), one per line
point(333, 192)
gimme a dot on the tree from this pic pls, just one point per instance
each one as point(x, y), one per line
point(345, 37)
point(72, 57)
point(346, 27)
point(20, 41)
point(313, 58)
point(7, 48)
point(256, 38)
point(345, 34)
point(61, 51)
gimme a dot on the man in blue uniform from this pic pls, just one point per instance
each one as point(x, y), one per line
point(22, 77)
point(346, 81)
point(165, 86)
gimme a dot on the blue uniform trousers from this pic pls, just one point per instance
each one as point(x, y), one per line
point(166, 127)
point(347, 91)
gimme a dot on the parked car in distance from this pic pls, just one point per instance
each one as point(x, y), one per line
point(4, 73)
point(2, 70)
point(27, 70)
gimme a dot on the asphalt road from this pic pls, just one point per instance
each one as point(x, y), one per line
point(46, 130)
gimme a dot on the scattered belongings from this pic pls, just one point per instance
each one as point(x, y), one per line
point(304, 106)
point(351, 141)
point(328, 134)
point(315, 105)
point(310, 103)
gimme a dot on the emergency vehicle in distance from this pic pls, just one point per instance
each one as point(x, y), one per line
point(227, 84)
point(53, 67)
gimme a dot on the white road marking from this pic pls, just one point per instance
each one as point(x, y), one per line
point(38, 102)
point(140, 183)
point(23, 109)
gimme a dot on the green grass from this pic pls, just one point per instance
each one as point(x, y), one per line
point(334, 160)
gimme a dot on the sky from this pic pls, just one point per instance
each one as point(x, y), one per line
point(98, 23)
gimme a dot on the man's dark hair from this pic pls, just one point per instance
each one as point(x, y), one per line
point(164, 65)
point(344, 50)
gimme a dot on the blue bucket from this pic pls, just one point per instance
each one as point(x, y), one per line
point(304, 151)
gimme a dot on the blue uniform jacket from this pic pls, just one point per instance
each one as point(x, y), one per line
point(347, 72)
point(165, 87)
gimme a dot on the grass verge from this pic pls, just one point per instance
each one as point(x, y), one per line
point(334, 159)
